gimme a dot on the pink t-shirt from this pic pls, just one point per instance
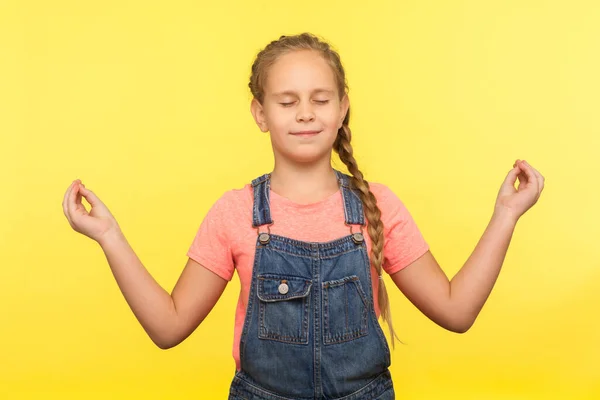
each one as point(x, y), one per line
point(226, 239)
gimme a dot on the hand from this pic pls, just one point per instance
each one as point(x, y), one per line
point(96, 224)
point(516, 202)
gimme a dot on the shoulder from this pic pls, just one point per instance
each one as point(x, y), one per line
point(237, 196)
point(393, 210)
point(385, 196)
point(234, 201)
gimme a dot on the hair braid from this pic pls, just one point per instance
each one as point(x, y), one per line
point(375, 227)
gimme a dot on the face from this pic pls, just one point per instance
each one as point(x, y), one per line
point(301, 107)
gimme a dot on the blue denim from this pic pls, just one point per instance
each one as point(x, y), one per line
point(310, 330)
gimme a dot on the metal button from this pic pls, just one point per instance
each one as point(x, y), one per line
point(264, 238)
point(358, 237)
point(283, 288)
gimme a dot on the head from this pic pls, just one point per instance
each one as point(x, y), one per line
point(298, 87)
point(298, 84)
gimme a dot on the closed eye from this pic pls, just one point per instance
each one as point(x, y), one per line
point(316, 101)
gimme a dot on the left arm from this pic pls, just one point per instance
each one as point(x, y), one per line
point(455, 304)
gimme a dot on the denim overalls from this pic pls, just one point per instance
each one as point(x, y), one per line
point(310, 330)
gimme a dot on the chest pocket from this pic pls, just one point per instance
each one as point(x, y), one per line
point(345, 310)
point(283, 308)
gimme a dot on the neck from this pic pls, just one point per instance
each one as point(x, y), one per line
point(304, 183)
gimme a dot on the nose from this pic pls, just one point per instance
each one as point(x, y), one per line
point(305, 113)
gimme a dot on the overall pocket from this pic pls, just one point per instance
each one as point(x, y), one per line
point(345, 310)
point(283, 308)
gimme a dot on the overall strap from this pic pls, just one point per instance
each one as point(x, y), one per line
point(353, 206)
point(261, 210)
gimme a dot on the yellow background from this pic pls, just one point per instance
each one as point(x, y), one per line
point(147, 102)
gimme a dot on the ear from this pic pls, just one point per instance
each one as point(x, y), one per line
point(344, 105)
point(259, 115)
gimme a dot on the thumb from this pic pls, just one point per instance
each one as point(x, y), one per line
point(511, 178)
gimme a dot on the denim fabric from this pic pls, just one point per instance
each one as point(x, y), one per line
point(310, 330)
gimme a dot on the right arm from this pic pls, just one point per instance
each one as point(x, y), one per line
point(168, 319)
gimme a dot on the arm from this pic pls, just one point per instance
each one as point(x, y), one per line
point(455, 304)
point(168, 319)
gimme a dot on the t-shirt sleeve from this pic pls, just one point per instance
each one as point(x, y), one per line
point(211, 246)
point(404, 242)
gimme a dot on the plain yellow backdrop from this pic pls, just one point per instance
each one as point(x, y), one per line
point(147, 102)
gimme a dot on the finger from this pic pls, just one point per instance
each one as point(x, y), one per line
point(80, 196)
point(531, 177)
point(537, 175)
point(540, 178)
point(78, 204)
point(66, 207)
point(511, 177)
point(517, 164)
point(522, 175)
point(64, 202)
point(90, 197)
point(520, 172)
point(71, 202)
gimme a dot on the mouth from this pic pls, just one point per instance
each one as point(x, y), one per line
point(305, 133)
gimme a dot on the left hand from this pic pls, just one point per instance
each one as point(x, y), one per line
point(516, 202)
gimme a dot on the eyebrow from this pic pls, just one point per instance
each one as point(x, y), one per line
point(292, 93)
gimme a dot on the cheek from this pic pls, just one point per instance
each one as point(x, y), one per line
point(331, 118)
point(279, 119)
point(281, 123)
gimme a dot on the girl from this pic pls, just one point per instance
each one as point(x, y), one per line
point(311, 277)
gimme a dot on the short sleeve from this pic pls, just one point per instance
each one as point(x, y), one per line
point(211, 246)
point(404, 242)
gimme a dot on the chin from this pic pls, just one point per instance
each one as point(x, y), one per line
point(307, 156)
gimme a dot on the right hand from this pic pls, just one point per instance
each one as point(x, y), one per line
point(95, 224)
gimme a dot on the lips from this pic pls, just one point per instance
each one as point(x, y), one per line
point(304, 133)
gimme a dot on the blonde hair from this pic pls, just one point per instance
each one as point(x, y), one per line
point(342, 146)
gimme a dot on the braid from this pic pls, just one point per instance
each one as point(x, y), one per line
point(375, 227)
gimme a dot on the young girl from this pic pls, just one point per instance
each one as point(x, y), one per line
point(310, 245)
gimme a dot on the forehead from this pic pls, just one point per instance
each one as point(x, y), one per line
point(300, 71)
